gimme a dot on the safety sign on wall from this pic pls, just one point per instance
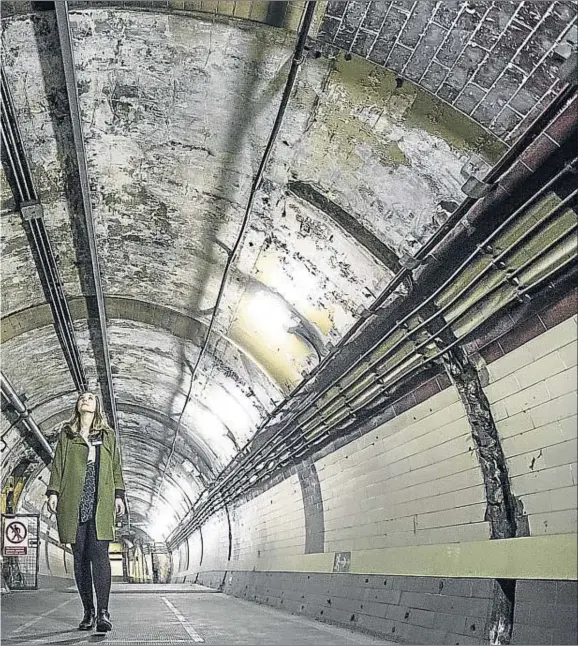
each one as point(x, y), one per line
point(15, 538)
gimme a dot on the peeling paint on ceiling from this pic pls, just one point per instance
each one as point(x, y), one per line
point(176, 112)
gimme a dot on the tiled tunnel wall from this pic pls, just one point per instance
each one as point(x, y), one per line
point(532, 390)
point(275, 523)
point(411, 472)
point(392, 495)
point(215, 542)
point(531, 386)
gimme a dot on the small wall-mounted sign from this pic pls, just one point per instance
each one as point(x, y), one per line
point(342, 561)
point(15, 538)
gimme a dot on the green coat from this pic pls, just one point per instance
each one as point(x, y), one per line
point(67, 481)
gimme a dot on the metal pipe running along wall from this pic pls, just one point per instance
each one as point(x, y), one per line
point(23, 413)
point(30, 207)
point(372, 382)
point(437, 239)
point(67, 54)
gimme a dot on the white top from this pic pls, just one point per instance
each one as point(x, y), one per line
point(91, 451)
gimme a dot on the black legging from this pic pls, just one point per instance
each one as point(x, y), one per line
point(89, 549)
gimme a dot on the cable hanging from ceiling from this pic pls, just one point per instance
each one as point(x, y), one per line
point(298, 57)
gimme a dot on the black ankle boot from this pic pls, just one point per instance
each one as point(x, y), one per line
point(103, 624)
point(88, 620)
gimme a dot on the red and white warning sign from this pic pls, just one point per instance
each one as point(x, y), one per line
point(15, 537)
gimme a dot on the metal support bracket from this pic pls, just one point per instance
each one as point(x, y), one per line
point(409, 262)
point(223, 246)
point(468, 226)
point(31, 211)
point(474, 170)
point(475, 188)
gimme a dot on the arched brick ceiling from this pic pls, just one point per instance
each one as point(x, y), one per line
point(497, 62)
point(176, 110)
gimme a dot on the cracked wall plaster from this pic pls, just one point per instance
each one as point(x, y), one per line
point(389, 156)
point(6, 196)
point(176, 115)
point(24, 355)
point(499, 62)
point(316, 266)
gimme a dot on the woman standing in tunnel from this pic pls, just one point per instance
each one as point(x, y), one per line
point(85, 491)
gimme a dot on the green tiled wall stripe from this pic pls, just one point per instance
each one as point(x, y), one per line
point(535, 557)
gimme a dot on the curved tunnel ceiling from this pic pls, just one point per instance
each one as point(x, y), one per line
point(176, 110)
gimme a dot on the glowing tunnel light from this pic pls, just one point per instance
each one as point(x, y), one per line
point(270, 313)
point(161, 525)
point(163, 520)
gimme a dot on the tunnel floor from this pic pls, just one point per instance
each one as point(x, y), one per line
point(157, 615)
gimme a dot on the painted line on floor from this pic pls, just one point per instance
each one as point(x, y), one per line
point(41, 617)
point(191, 632)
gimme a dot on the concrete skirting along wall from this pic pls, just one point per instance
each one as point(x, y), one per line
point(413, 610)
point(427, 594)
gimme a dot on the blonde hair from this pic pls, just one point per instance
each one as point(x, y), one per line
point(99, 423)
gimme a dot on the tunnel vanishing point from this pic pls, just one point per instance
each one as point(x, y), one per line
point(318, 259)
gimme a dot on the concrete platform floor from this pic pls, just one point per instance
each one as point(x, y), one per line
point(162, 618)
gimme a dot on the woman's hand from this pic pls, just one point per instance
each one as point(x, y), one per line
point(119, 506)
point(52, 503)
